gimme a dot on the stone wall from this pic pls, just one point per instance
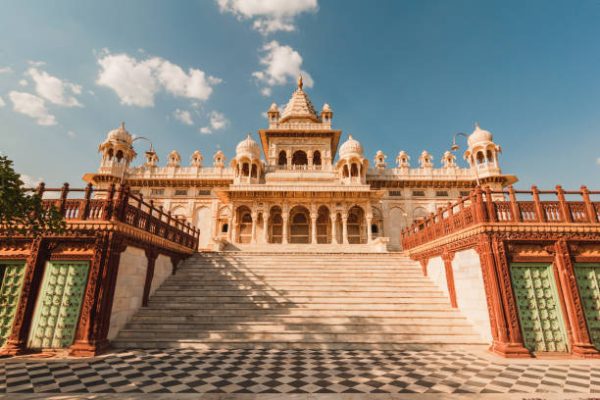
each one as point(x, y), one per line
point(470, 292)
point(437, 273)
point(162, 270)
point(129, 289)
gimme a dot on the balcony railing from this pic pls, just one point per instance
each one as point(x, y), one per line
point(505, 207)
point(119, 206)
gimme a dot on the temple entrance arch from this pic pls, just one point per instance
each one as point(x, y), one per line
point(275, 225)
point(245, 225)
point(397, 222)
point(323, 226)
point(299, 225)
point(356, 226)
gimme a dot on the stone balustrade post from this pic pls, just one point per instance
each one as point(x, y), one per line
point(589, 207)
point(284, 234)
point(563, 205)
point(345, 228)
point(514, 206)
point(334, 228)
point(539, 211)
point(313, 229)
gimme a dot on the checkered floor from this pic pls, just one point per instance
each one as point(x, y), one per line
point(295, 371)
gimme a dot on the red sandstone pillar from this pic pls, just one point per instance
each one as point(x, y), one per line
point(151, 255)
point(581, 343)
point(447, 257)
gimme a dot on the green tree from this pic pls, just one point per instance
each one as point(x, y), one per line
point(22, 211)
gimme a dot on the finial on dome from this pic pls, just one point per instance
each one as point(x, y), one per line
point(477, 125)
point(122, 125)
point(300, 84)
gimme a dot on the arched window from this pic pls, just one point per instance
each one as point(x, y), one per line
point(246, 169)
point(354, 170)
point(490, 157)
point(299, 158)
point(374, 229)
point(225, 228)
point(346, 172)
point(119, 155)
point(480, 158)
point(254, 171)
point(282, 158)
point(110, 153)
point(317, 158)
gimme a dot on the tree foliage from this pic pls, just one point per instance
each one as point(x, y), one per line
point(21, 210)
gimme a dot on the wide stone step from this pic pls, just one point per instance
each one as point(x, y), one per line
point(312, 294)
point(410, 345)
point(299, 336)
point(289, 307)
point(191, 286)
point(259, 326)
point(268, 314)
point(412, 319)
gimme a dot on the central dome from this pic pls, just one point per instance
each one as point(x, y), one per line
point(351, 147)
point(120, 134)
point(248, 147)
point(479, 136)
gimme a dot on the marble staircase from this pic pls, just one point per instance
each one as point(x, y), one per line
point(299, 300)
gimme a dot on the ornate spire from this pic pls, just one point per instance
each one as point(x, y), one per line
point(300, 84)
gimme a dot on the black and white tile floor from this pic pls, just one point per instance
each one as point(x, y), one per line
point(296, 371)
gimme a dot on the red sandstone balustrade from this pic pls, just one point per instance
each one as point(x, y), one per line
point(118, 204)
point(488, 206)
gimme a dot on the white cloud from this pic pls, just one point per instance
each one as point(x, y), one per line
point(216, 121)
point(598, 161)
point(29, 181)
point(2, 103)
point(36, 63)
point(32, 106)
point(269, 15)
point(53, 89)
point(71, 134)
point(183, 116)
point(23, 82)
point(282, 64)
point(5, 70)
point(136, 82)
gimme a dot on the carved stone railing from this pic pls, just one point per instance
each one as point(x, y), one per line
point(119, 205)
point(505, 207)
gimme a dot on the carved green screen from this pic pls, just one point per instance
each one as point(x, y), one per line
point(539, 309)
point(11, 282)
point(57, 311)
point(588, 282)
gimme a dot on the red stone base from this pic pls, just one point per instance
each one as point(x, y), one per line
point(510, 350)
point(13, 348)
point(88, 349)
point(585, 350)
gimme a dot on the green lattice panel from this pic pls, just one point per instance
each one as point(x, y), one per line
point(57, 312)
point(11, 278)
point(588, 282)
point(539, 308)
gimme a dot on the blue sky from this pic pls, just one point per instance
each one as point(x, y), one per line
point(399, 75)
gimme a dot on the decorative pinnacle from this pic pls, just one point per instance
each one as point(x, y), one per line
point(477, 125)
point(300, 84)
point(122, 125)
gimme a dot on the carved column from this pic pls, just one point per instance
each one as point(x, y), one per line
point(424, 262)
point(151, 255)
point(254, 221)
point(313, 228)
point(94, 322)
point(506, 340)
point(582, 345)
point(369, 232)
point(34, 271)
point(345, 228)
point(447, 257)
point(334, 228)
point(284, 234)
point(266, 226)
point(229, 228)
point(234, 228)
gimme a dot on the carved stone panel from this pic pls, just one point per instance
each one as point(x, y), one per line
point(588, 283)
point(540, 315)
point(11, 283)
point(59, 305)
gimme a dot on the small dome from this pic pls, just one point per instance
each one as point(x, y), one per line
point(326, 108)
point(120, 134)
point(479, 136)
point(248, 147)
point(274, 108)
point(351, 147)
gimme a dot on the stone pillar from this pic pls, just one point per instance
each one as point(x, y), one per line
point(345, 228)
point(151, 256)
point(581, 343)
point(229, 228)
point(253, 235)
point(334, 228)
point(313, 227)
point(447, 257)
point(369, 232)
point(284, 234)
point(266, 227)
point(233, 236)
